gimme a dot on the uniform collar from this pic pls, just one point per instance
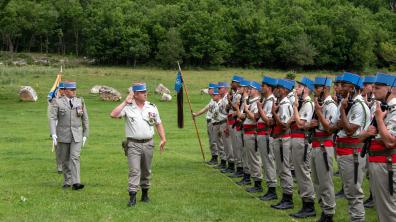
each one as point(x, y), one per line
point(270, 97)
point(328, 98)
point(358, 97)
point(285, 100)
point(291, 94)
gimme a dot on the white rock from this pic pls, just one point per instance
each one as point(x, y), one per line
point(161, 89)
point(109, 94)
point(204, 91)
point(95, 89)
point(166, 97)
point(27, 93)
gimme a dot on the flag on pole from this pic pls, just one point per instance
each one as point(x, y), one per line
point(54, 91)
point(179, 90)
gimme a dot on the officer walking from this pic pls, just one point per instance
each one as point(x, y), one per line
point(140, 117)
point(68, 121)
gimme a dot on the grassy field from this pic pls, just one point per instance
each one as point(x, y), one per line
point(183, 188)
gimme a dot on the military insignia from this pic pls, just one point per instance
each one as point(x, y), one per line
point(353, 117)
point(151, 119)
point(283, 117)
point(79, 111)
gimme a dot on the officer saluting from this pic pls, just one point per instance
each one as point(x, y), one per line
point(140, 118)
point(68, 120)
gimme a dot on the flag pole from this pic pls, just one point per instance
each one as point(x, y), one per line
point(191, 111)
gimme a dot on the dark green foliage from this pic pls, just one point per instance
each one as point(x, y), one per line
point(298, 34)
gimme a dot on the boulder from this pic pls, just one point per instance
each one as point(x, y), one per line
point(21, 62)
point(27, 93)
point(166, 97)
point(161, 89)
point(204, 91)
point(109, 94)
point(95, 89)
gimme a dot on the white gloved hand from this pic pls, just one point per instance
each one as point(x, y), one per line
point(84, 140)
point(54, 139)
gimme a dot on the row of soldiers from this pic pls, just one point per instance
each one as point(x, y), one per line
point(270, 129)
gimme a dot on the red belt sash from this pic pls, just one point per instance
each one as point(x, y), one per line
point(345, 149)
point(376, 146)
point(323, 137)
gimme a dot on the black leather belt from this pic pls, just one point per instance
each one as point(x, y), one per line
point(219, 123)
point(138, 141)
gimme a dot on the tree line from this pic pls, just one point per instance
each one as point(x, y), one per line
point(308, 34)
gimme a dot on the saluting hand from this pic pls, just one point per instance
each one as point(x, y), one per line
point(379, 114)
point(344, 103)
point(129, 99)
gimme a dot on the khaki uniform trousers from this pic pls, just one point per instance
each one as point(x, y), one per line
point(139, 157)
point(267, 159)
point(218, 139)
point(236, 146)
point(385, 204)
point(70, 157)
point(241, 140)
point(212, 141)
point(253, 157)
point(353, 192)
point(323, 179)
point(283, 167)
point(302, 169)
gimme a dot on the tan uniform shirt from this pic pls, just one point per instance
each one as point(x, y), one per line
point(359, 114)
point(139, 123)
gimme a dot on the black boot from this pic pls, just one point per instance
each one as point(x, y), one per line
point(145, 197)
point(77, 186)
point(213, 161)
point(326, 218)
point(369, 203)
point(285, 203)
point(245, 180)
point(238, 173)
point(222, 165)
point(307, 210)
point(270, 195)
point(256, 188)
point(340, 194)
point(229, 169)
point(132, 199)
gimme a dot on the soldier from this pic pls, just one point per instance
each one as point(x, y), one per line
point(239, 112)
point(337, 98)
point(219, 121)
point(208, 109)
point(264, 139)
point(249, 131)
point(354, 118)
point(140, 117)
point(292, 99)
point(68, 120)
point(281, 143)
point(58, 150)
point(382, 150)
point(223, 129)
point(323, 148)
point(368, 96)
point(234, 99)
point(301, 147)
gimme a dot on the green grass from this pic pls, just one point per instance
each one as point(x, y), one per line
point(183, 188)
